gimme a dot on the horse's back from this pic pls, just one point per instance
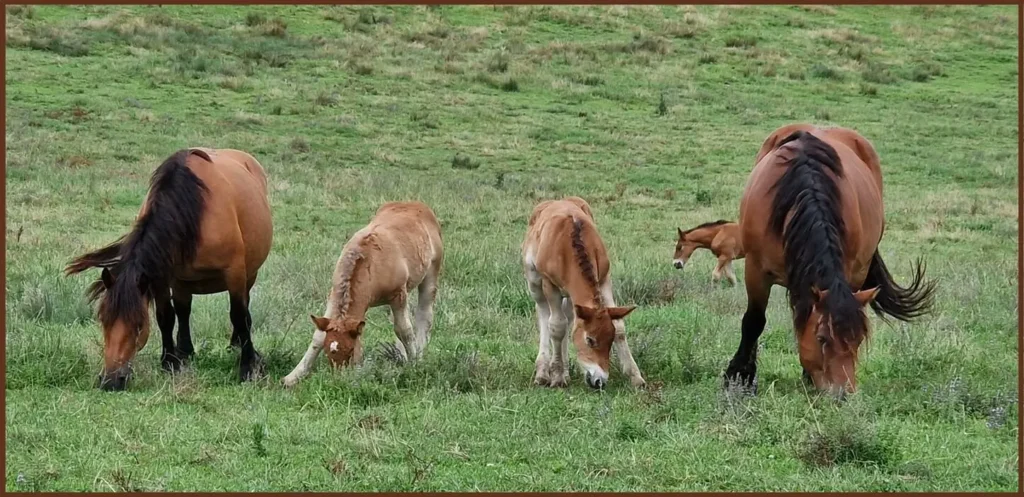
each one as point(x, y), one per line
point(859, 189)
point(238, 217)
point(549, 238)
point(408, 232)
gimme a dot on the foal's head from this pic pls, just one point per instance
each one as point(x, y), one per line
point(341, 339)
point(593, 333)
point(684, 249)
point(831, 337)
point(124, 318)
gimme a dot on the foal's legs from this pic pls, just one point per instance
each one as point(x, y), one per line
point(716, 274)
point(409, 346)
point(315, 346)
point(743, 366)
point(620, 346)
point(557, 324)
point(543, 314)
point(169, 359)
point(425, 307)
point(729, 273)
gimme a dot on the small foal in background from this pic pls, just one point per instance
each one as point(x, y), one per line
point(721, 237)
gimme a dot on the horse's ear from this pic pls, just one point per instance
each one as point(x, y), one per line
point(681, 235)
point(321, 323)
point(585, 313)
point(358, 331)
point(865, 297)
point(620, 312)
point(107, 278)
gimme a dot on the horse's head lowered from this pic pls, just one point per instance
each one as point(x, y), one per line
point(342, 339)
point(830, 340)
point(593, 333)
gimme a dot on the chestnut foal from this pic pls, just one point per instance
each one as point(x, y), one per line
point(567, 271)
point(721, 237)
point(400, 249)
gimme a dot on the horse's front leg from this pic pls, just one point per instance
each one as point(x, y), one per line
point(620, 346)
point(169, 359)
point(743, 366)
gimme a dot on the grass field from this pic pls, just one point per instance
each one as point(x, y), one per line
point(653, 114)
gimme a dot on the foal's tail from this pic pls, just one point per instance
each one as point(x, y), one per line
point(901, 303)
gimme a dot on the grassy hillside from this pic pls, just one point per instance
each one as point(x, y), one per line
point(653, 114)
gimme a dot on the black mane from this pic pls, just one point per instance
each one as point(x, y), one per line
point(581, 252)
point(706, 225)
point(142, 261)
point(814, 237)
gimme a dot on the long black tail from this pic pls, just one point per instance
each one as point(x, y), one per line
point(901, 303)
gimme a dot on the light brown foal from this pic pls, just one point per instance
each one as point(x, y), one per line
point(721, 237)
point(399, 250)
point(567, 271)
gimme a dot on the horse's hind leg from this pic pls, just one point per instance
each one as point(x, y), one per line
point(408, 343)
point(169, 359)
point(249, 361)
point(743, 366)
point(729, 273)
point(540, 377)
point(183, 309)
point(425, 307)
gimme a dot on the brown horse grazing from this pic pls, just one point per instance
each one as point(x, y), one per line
point(721, 237)
point(812, 219)
point(399, 250)
point(567, 271)
point(203, 228)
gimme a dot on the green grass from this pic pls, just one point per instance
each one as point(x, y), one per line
point(653, 114)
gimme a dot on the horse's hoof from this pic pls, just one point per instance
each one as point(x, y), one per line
point(638, 382)
point(184, 354)
point(171, 363)
point(741, 379)
point(558, 382)
point(252, 371)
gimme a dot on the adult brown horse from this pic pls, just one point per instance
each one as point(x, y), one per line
point(811, 219)
point(203, 228)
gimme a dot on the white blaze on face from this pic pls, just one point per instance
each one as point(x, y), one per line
point(334, 346)
point(592, 373)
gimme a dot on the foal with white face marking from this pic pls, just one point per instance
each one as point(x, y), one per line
point(399, 250)
point(567, 271)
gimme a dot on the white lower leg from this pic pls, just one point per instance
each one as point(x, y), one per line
point(544, 352)
point(306, 363)
point(620, 346)
point(556, 369)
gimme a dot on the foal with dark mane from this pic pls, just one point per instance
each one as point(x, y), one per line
point(568, 275)
point(203, 228)
point(811, 219)
point(721, 237)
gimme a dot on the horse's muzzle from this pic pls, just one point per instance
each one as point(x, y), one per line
point(678, 264)
point(594, 382)
point(114, 381)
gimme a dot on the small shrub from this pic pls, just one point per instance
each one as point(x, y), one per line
point(846, 440)
point(254, 19)
point(299, 144)
point(741, 42)
point(509, 85)
point(707, 58)
point(703, 197)
point(878, 74)
point(325, 99)
point(258, 435)
point(826, 72)
point(868, 89)
point(629, 430)
point(662, 106)
point(464, 162)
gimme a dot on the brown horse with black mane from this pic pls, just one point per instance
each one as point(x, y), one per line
point(204, 228)
point(812, 219)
